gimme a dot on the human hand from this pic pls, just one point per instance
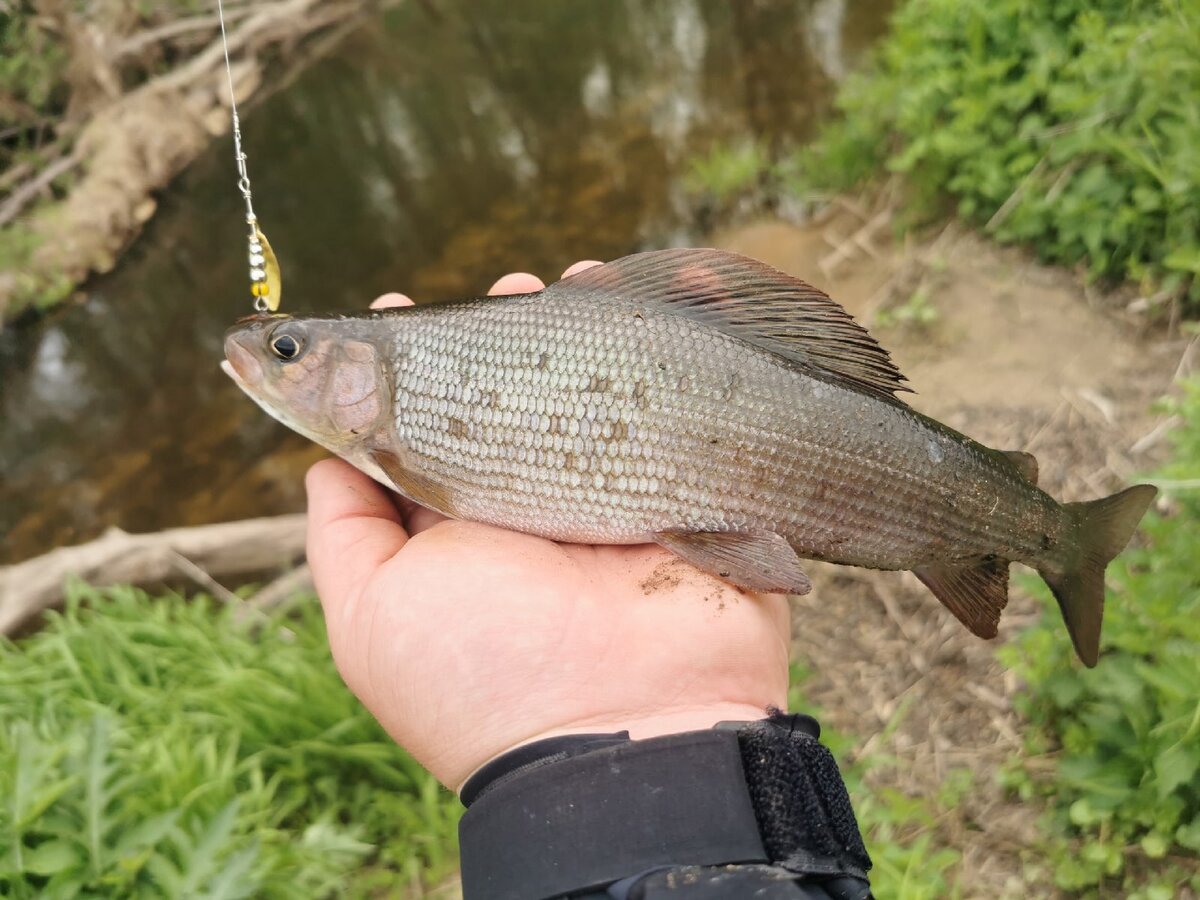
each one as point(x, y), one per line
point(465, 640)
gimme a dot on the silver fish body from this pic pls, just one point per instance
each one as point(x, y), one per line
point(698, 399)
point(603, 423)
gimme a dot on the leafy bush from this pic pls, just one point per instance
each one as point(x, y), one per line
point(156, 748)
point(32, 63)
point(1125, 736)
point(1073, 126)
point(727, 174)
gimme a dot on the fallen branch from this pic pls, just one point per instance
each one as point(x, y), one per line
point(176, 29)
point(32, 189)
point(275, 594)
point(29, 588)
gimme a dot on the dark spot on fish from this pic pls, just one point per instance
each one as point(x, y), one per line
point(542, 359)
point(713, 441)
point(724, 574)
point(1047, 542)
point(730, 387)
point(662, 366)
point(620, 430)
point(569, 461)
point(458, 428)
point(491, 398)
point(597, 384)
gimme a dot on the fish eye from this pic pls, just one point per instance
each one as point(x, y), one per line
point(286, 347)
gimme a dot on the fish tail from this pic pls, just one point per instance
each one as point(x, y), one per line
point(1096, 532)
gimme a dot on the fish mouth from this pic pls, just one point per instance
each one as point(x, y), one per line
point(240, 363)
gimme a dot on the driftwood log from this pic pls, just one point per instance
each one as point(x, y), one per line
point(200, 554)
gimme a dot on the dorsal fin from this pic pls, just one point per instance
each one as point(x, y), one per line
point(752, 301)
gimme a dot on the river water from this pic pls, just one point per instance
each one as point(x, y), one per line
point(442, 144)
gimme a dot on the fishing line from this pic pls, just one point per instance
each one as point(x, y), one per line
point(266, 283)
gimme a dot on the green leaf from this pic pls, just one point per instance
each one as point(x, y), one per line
point(1176, 766)
point(1184, 258)
point(1154, 845)
point(52, 857)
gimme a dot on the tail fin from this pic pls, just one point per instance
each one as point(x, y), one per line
point(1098, 531)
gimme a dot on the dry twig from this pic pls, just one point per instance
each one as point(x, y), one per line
point(29, 588)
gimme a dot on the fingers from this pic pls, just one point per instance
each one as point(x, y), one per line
point(582, 266)
point(392, 299)
point(353, 529)
point(516, 283)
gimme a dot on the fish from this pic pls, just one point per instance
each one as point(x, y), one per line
point(693, 398)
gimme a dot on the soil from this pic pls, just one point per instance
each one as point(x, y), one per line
point(1019, 356)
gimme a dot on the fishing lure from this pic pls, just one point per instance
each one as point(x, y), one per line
point(266, 282)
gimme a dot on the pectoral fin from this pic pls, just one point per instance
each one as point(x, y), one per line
point(412, 485)
point(975, 594)
point(761, 561)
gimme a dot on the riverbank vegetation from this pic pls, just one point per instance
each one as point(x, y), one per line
point(1072, 128)
point(151, 747)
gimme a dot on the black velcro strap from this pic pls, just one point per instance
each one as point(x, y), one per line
point(589, 820)
point(803, 809)
point(527, 758)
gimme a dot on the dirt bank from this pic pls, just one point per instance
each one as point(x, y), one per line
point(93, 189)
point(1019, 356)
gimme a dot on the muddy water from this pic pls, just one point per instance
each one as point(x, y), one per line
point(441, 145)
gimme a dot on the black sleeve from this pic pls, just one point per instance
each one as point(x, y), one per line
point(745, 809)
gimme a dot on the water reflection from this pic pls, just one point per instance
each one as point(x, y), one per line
point(443, 144)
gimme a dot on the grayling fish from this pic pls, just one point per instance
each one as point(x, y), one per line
point(693, 398)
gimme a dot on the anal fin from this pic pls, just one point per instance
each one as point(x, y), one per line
point(975, 594)
point(759, 561)
point(413, 485)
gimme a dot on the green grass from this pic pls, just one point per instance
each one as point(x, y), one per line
point(1123, 739)
point(155, 748)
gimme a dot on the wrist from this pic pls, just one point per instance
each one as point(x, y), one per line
point(638, 726)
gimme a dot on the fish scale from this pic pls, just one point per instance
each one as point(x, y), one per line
point(699, 399)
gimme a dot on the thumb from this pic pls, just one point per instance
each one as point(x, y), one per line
point(353, 529)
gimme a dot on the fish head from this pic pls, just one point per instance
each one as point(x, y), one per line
point(321, 377)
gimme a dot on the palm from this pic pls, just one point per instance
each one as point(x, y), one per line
point(466, 640)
